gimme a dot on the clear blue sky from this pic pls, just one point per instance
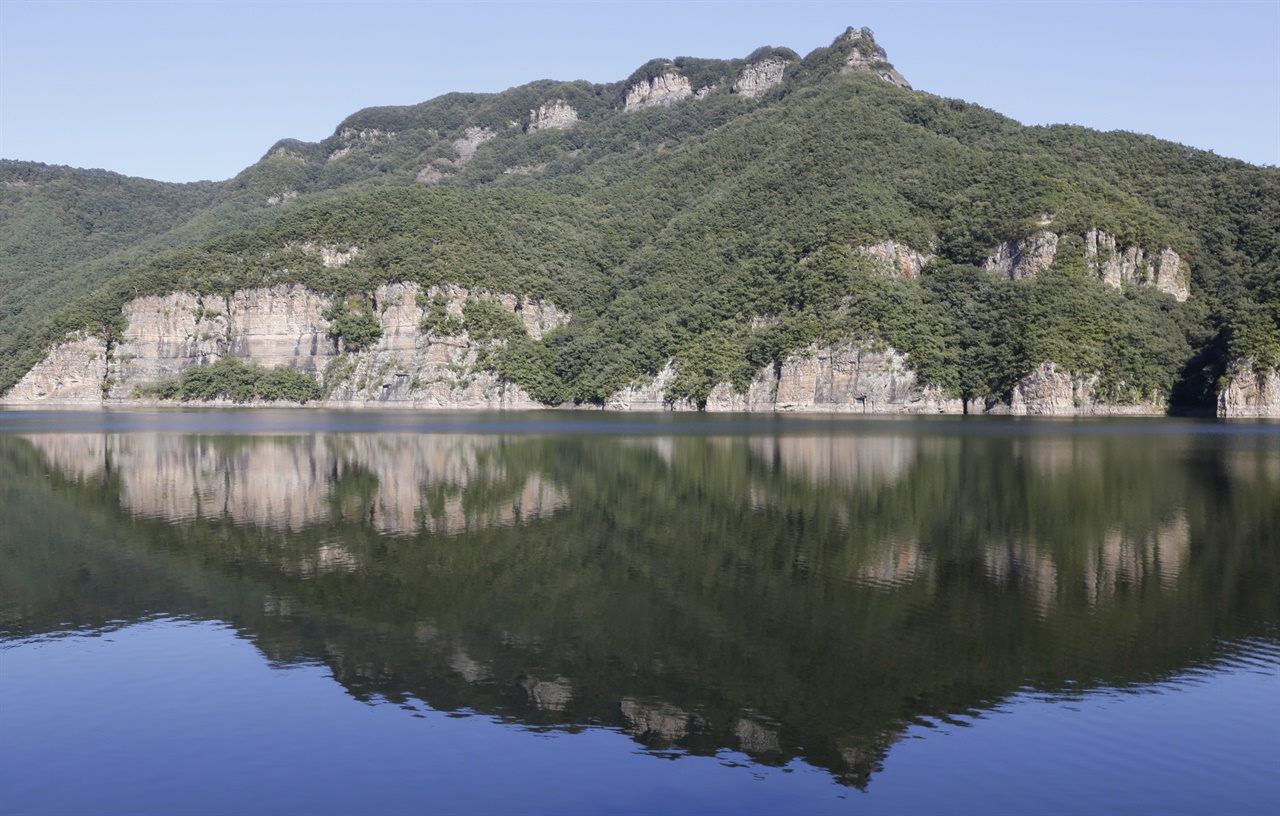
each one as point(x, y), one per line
point(192, 90)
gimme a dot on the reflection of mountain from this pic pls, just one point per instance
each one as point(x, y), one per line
point(402, 482)
point(798, 596)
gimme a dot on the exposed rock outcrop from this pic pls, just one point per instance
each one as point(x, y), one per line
point(1024, 259)
point(663, 90)
point(278, 325)
point(897, 260)
point(426, 370)
point(759, 77)
point(72, 373)
point(645, 394)
point(1166, 270)
point(470, 142)
point(1245, 393)
point(870, 60)
point(330, 255)
point(1030, 256)
point(1047, 391)
point(558, 115)
point(285, 325)
point(850, 378)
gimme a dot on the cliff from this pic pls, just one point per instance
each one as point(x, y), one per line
point(1246, 393)
point(286, 326)
point(415, 363)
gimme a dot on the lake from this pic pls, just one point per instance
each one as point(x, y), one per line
point(275, 611)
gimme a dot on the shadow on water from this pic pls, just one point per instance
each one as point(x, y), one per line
point(802, 591)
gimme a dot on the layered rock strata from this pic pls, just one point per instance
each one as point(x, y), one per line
point(558, 115)
point(1249, 394)
point(850, 378)
point(1047, 391)
point(759, 77)
point(72, 373)
point(663, 90)
point(285, 325)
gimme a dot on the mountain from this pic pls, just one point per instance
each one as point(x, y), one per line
point(765, 233)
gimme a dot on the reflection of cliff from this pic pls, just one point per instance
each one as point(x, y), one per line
point(399, 483)
point(883, 579)
point(843, 461)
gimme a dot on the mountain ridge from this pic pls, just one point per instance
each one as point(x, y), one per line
point(707, 177)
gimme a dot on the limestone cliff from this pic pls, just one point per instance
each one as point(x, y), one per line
point(759, 77)
point(848, 378)
point(1023, 259)
point(72, 373)
point(285, 325)
point(1246, 393)
point(278, 325)
point(1048, 391)
point(662, 90)
point(425, 370)
point(557, 115)
point(1164, 270)
point(855, 377)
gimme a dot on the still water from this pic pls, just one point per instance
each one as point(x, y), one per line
point(330, 612)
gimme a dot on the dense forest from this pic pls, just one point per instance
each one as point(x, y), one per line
point(722, 232)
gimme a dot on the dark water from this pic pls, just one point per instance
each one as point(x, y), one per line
point(328, 612)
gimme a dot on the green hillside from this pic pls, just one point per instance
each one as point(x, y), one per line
point(665, 230)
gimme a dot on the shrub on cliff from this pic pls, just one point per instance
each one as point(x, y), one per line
point(235, 380)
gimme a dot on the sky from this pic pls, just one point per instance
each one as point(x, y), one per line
point(182, 91)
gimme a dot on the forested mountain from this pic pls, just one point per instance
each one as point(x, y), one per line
point(713, 215)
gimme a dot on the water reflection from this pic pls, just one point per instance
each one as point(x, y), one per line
point(402, 482)
point(780, 595)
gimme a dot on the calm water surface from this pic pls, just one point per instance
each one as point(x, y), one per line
point(328, 612)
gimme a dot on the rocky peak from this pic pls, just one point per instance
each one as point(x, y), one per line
point(864, 55)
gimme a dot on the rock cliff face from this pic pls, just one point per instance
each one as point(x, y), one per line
point(279, 325)
point(850, 378)
point(1166, 270)
point(759, 77)
point(1024, 259)
point(662, 91)
point(425, 370)
point(897, 260)
point(1050, 392)
point(1248, 394)
point(856, 378)
point(72, 373)
point(558, 115)
point(285, 325)
point(870, 63)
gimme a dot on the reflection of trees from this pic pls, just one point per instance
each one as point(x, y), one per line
point(700, 594)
